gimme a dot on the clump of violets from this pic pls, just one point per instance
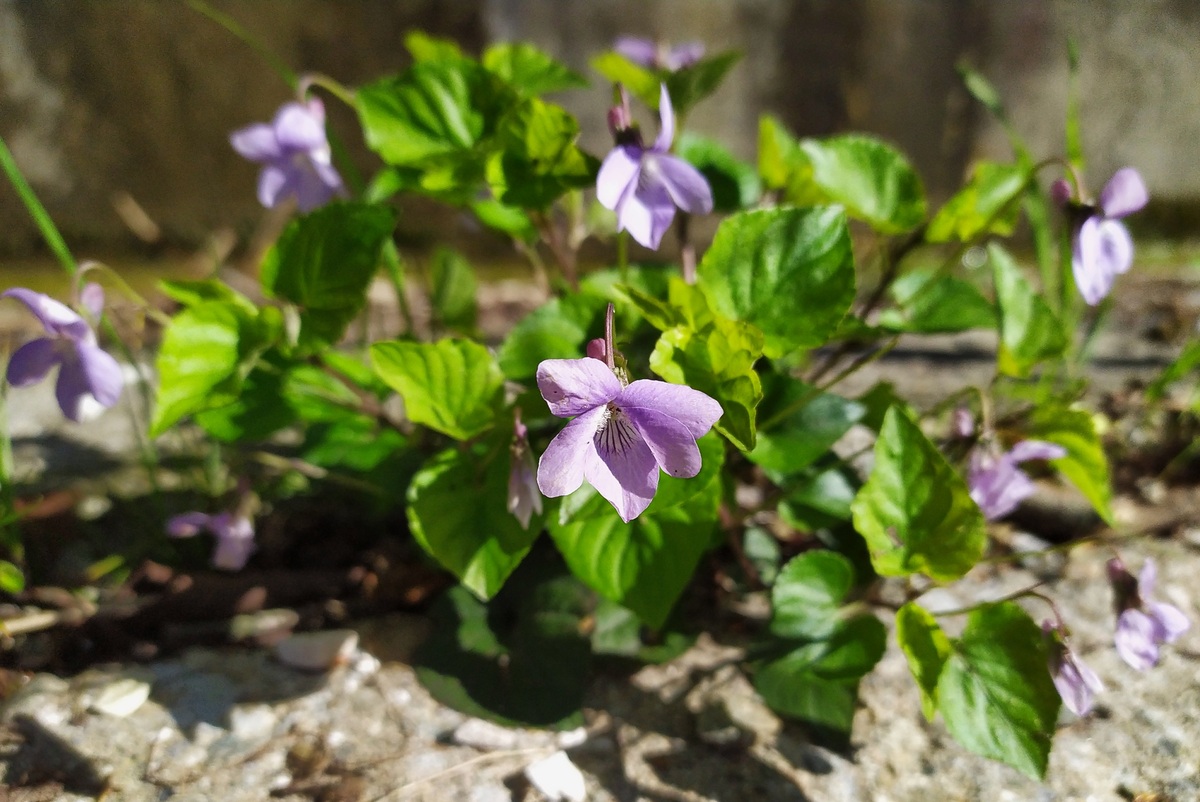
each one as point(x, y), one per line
point(659, 55)
point(645, 185)
point(524, 500)
point(89, 379)
point(1102, 246)
point(997, 485)
point(1143, 624)
point(295, 155)
point(621, 433)
point(1075, 682)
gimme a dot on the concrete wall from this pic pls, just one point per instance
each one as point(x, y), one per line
point(137, 96)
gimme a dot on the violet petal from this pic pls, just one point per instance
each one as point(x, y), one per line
point(1169, 621)
point(1125, 193)
point(637, 49)
point(272, 186)
point(574, 386)
point(622, 468)
point(673, 446)
point(666, 116)
point(692, 408)
point(102, 373)
point(687, 186)
point(617, 173)
point(1036, 449)
point(56, 318)
point(560, 469)
point(188, 524)
point(1135, 640)
point(256, 142)
point(33, 361)
point(301, 127)
point(1092, 276)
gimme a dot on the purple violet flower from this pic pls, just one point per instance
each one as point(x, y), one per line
point(1103, 248)
point(1076, 683)
point(997, 484)
point(658, 55)
point(645, 185)
point(621, 434)
point(524, 500)
point(295, 155)
point(234, 533)
point(1142, 623)
point(89, 379)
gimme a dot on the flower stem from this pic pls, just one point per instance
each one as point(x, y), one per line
point(37, 211)
point(687, 251)
point(609, 353)
point(1016, 594)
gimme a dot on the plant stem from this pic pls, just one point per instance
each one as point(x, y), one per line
point(37, 211)
point(234, 27)
point(395, 270)
point(1016, 594)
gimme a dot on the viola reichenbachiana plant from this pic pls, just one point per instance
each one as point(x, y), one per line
point(681, 386)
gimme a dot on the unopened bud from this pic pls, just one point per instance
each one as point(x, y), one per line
point(596, 349)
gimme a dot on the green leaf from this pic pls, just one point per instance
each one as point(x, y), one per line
point(871, 179)
point(436, 109)
point(556, 330)
point(806, 600)
point(930, 304)
point(458, 512)
point(323, 263)
point(206, 352)
point(190, 293)
point(927, 649)
point(985, 205)
point(789, 445)
point(522, 660)
point(717, 360)
point(620, 632)
point(1185, 364)
point(453, 296)
point(529, 70)
point(818, 682)
point(539, 160)
point(995, 692)
point(1029, 330)
point(452, 386)
point(12, 580)
point(424, 47)
point(915, 511)
point(1085, 464)
point(818, 500)
point(693, 83)
point(645, 564)
point(354, 443)
point(783, 165)
point(258, 411)
point(790, 272)
point(642, 83)
point(734, 183)
point(507, 219)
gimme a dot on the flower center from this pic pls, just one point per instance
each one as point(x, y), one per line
point(616, 433)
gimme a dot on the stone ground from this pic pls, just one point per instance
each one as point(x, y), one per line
point(237, 724)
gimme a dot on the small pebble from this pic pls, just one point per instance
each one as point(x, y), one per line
point(317, 651)
point(121, 697)
point(558, 778)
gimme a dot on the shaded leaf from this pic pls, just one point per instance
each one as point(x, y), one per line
point(807, 597)
point(926, 647)
point(457, 510)
point(915, 511)
point(1029, 331)
point(995, 691)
